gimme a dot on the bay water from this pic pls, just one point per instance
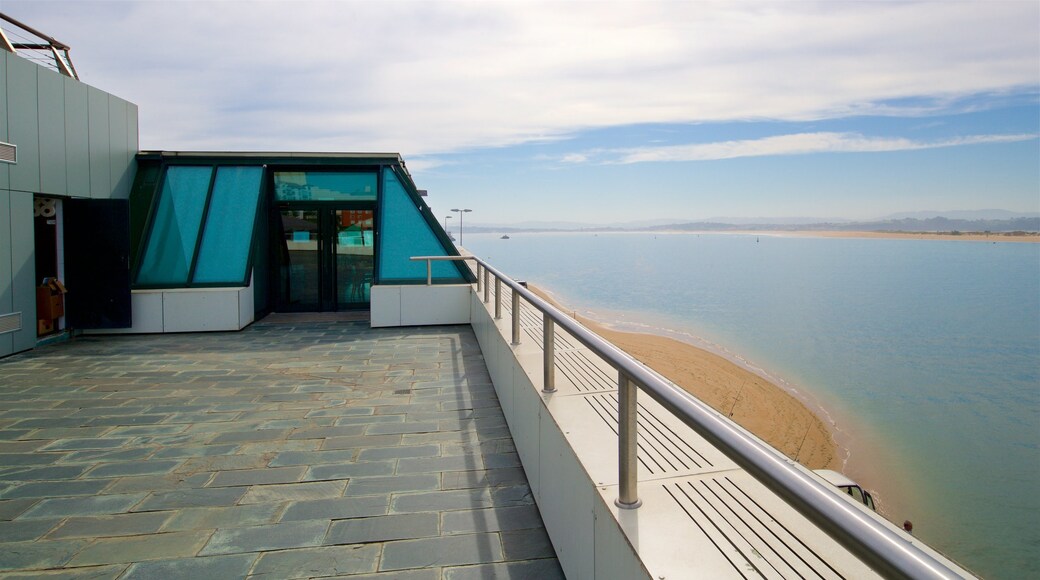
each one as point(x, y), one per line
point(923, 354)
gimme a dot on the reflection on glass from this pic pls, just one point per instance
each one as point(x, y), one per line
point(324, 185)
point(354, 256)
point(303, 276)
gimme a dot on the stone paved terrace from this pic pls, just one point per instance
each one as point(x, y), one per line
point(298, 449)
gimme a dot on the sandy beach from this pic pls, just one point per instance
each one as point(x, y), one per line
point(758, 405)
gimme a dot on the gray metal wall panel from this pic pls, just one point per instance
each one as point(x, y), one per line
point(23, 268)
point(23, 123)
point(100, 148)
point(51, 108)
point(6, 294)
point(5, 169)
point(132, 145)
point(77, 138)
point(119, 169)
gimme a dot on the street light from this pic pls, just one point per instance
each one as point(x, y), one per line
point(460, 212)
point(446, 218)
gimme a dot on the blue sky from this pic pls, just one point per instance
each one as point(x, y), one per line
point(598, 111)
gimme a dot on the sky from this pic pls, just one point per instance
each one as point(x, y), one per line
point(597, 112)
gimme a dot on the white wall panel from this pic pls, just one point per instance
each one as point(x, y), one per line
point(51, 109)
point(100, 144)
point(197, 311)
point(23, 268)
point(385, 306)
point(6, 290)
point(23, 123)
point(77, 138)
point(5, 169)
point(428, 305)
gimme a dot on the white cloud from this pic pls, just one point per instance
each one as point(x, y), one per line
point(796, 144)
point(437, 77)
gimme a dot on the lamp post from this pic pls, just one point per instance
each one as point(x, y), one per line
point(446, 218)
point(460, 212)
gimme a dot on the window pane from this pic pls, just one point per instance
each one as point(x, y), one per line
point(175, 228)
point(405, 234)
point(324, 186)
point(228, 233)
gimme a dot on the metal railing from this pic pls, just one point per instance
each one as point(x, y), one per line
point(878, 546)
point(23, 40)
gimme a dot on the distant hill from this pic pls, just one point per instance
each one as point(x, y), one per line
point(946, 223)
point(935, 224)
point(976, 214)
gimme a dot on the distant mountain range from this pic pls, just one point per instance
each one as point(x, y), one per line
point(986, 220)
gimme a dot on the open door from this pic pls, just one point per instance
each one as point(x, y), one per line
point(97, 263)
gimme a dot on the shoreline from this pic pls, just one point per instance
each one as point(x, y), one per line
point(751, 399)
point(1031, 237)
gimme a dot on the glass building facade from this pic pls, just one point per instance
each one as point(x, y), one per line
point(309, 232)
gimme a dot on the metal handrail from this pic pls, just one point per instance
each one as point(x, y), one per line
point(875, 544)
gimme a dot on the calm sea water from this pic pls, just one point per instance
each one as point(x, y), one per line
point(925, 354)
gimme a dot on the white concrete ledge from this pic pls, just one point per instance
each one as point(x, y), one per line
point(188, 310)
point(419, 305)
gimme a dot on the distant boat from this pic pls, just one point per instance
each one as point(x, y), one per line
point(505, 237)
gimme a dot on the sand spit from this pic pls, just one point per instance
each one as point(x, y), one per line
point(753, 402)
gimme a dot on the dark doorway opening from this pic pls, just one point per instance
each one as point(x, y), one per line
point(325, 257)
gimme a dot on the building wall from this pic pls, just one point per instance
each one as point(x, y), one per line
point(73, 141)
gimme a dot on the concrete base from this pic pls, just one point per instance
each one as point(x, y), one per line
point(188, 310)
point(420, 305)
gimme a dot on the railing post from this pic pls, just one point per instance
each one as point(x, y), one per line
point(628, 468)
point(548, 354)
point(487, 290)
point(516, 318)
point(478, 277)
point(429, 272)
point(498, 298)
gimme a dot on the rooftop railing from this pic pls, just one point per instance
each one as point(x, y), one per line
point(36, 46)
point(880, 547)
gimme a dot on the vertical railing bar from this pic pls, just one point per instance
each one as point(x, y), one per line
point(498, 298)
point(478, 277)
point(628, 470)
point(487, 290)
point(429, 272)
point(548, 354)
point(516, 318)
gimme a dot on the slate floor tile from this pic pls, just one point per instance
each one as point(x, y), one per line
point(317, 562)
point(188, 498)
point(395, 483)
point(294, 492)
point(233, 566)
point(337, 508)
point(140, 548)
point(117, 525)
point(223, 517)
point(443, 551)
point(383, 528)
point(26, 530)
point(267, 475)
point(37, 555)
point(547, 569)
point(491, 520)
point(84, 506)
point(269, 537)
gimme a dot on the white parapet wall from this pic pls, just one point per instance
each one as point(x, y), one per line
point(188, 310)
point(420, 305)
point(702, 515)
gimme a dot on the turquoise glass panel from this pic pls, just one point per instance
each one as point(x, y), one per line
point(404, 234)
point(324, 185)
point(228, 233)
point(175, 227)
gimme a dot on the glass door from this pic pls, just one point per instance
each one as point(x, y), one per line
point(354, 252)
point(326, 258)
